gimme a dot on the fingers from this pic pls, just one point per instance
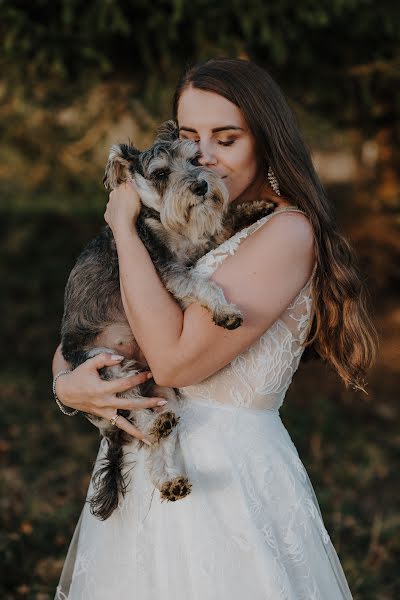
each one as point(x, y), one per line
point(136, 404)
point(116, 385)
point(104, 359)
point(124, 424)
point(127, 187)
point(126, 383)
point(105, 397)
point(127, 184)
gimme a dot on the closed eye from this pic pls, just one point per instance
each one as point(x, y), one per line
point(226, 143)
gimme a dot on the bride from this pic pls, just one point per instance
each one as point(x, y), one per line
point(251, 527)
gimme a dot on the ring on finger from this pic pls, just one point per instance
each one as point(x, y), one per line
point(114, 419)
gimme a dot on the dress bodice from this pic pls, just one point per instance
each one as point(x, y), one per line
point(259, 377)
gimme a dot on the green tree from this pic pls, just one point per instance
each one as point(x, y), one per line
point(336, 58)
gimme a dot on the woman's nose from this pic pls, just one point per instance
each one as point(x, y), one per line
point(207, 156)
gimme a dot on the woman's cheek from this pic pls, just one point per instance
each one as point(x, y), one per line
point(234, 190)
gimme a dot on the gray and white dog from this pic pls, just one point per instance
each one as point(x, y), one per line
point(185, 213)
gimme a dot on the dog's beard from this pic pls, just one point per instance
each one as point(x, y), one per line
point(182, 211)
point(191, 215)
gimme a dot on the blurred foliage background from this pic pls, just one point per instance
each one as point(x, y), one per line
point(77, 76)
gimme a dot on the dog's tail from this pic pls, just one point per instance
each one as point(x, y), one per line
point(109, 482)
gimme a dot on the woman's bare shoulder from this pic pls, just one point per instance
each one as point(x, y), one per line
point(287, 231)
point(283, 245)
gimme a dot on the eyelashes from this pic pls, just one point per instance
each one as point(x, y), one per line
point(220, 143)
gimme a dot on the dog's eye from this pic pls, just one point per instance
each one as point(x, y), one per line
point(161, 175)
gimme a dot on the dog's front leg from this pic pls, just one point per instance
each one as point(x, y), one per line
point(188, 287)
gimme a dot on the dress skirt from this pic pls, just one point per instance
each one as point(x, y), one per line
point(251, 527)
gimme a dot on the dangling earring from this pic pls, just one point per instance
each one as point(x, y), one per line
point(273, 182)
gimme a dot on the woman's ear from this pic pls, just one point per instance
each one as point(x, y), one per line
point(122, 162)
point(168, 131)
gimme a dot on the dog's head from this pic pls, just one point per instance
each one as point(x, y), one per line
point(190, 199)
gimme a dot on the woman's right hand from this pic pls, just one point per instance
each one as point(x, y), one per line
point(84, 390)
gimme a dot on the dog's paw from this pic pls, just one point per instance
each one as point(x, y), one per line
point(163, 426)
point(230, 318)
point(176, 489)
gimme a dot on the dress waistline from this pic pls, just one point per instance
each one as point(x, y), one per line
point(195, 401)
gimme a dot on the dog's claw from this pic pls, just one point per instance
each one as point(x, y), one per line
point(163, 426)
point(176, 489)
point(229, 321)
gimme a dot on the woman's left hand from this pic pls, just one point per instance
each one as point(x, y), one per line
point(123, 207)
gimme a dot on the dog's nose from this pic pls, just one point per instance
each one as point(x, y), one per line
point(199, 188)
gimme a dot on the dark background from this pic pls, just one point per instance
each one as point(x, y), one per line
point(77, 76)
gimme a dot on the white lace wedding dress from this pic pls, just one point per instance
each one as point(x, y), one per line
point(251, 527)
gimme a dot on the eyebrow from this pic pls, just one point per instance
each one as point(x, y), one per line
point(215, 130)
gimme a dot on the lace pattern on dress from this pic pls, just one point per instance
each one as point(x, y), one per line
point(260, 376)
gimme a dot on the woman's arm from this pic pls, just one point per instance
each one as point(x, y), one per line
point(261, 278)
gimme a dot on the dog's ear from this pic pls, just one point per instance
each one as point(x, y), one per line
point(122, 161)
point(168, 131)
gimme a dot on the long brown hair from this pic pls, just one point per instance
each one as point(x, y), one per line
point(342, 332)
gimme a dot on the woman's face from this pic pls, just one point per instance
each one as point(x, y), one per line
point(225, 142)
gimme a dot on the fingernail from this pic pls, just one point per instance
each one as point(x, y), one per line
point(149, 375)
point(146, 442)
point(162, 402)
point(116, 357)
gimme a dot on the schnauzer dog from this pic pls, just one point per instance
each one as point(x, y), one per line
point(185, 213)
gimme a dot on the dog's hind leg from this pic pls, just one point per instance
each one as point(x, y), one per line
point(164, 472)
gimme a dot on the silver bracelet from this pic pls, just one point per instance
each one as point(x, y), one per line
point(57, 399)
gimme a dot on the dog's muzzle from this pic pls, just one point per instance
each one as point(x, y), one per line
point(199, 188)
